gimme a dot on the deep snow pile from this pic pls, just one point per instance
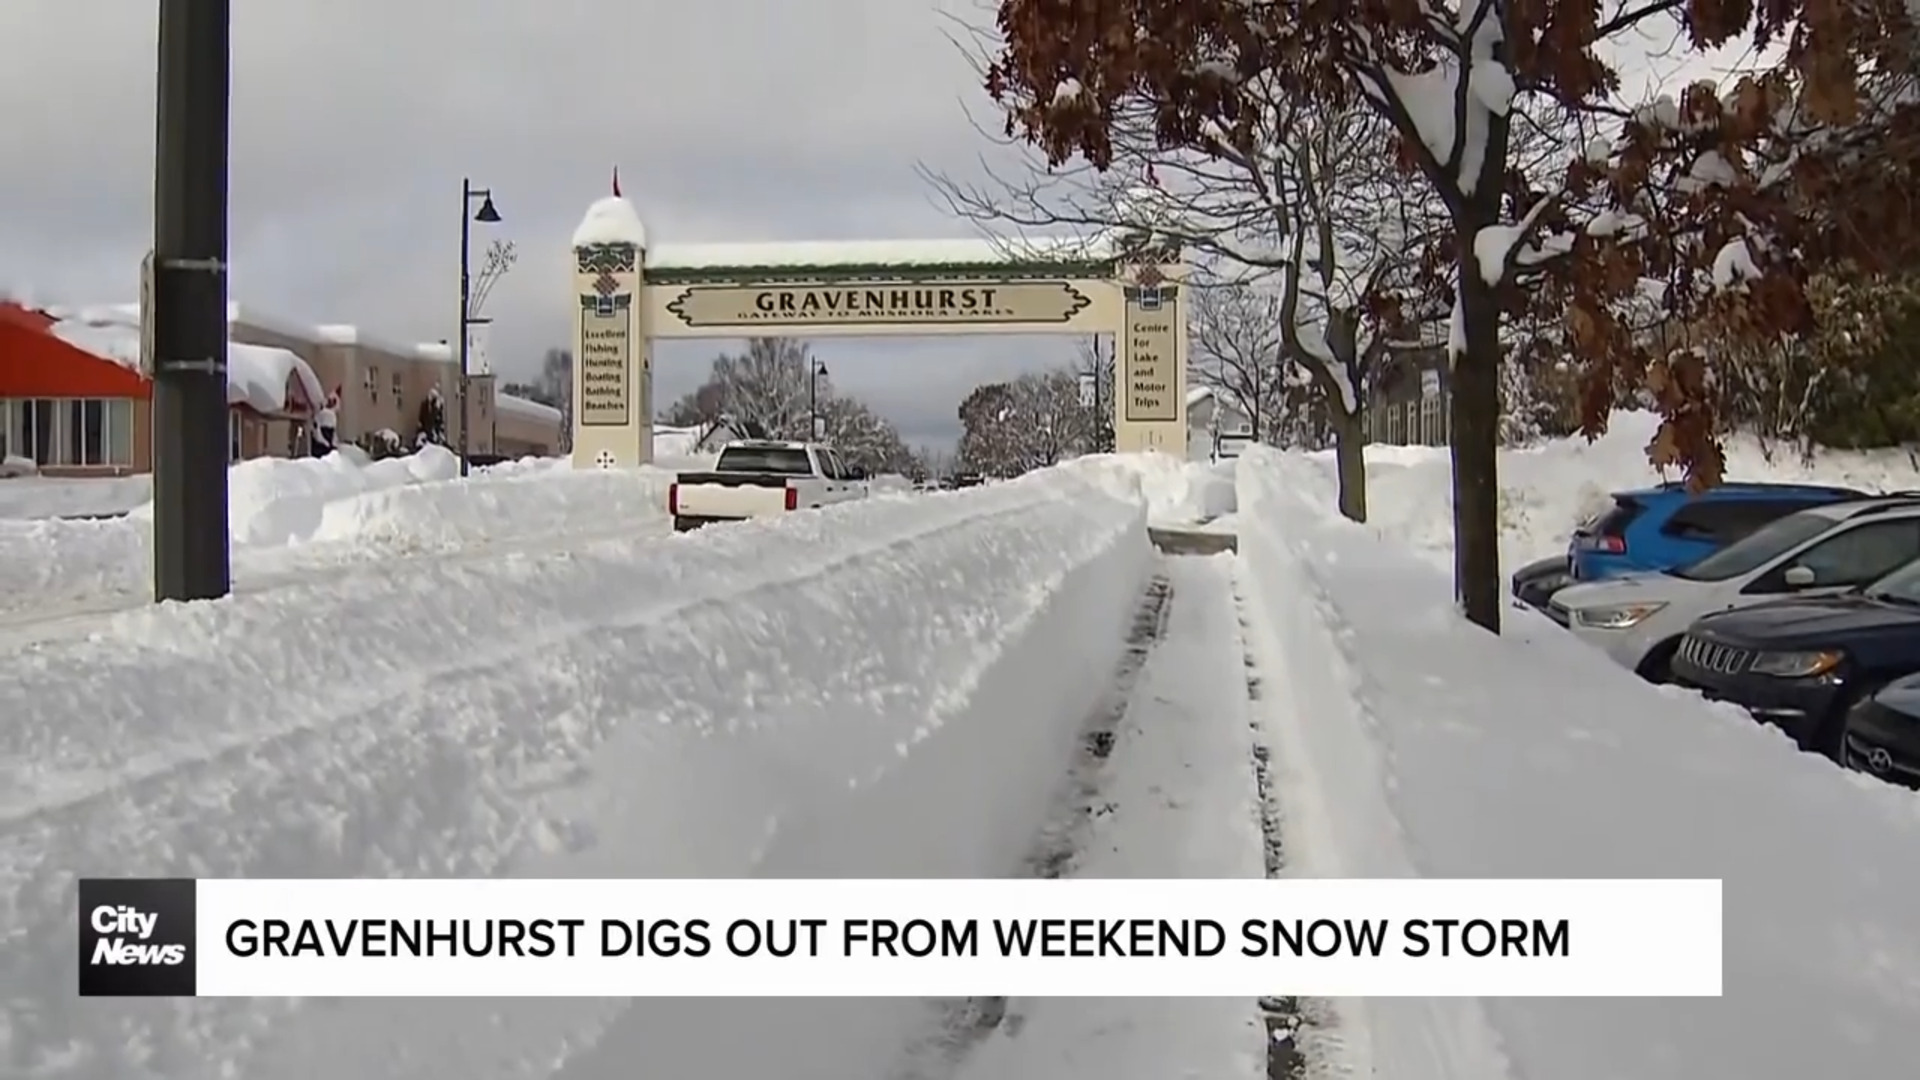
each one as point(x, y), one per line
point(294, 513)
point(889, 689)
point(1411, 743)
point(33, 497)
point(1544, 490)
point(1176, 492)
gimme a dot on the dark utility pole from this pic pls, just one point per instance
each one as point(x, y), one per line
point(488, 214)
point(815, 369)
point(189, 304)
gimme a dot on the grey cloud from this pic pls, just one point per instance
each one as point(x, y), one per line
point(354, 121)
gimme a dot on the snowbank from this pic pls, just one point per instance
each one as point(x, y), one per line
point(1544, 490)
point(892, 688)
point(1411, 743)
point(446, 513)
point(336, 509)
point(1176, 492)
point(27, 497)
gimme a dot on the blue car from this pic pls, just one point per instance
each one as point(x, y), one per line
point(1659, 528)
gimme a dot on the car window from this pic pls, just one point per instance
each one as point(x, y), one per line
point(787, 461)
point(1902, 586)
point(1756, 549)
point(1719, 522)
point(1730, 519)
point(1864, 553)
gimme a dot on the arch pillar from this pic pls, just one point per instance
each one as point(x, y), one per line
point(612, 352)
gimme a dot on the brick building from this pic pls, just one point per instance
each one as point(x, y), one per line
point(73, 400)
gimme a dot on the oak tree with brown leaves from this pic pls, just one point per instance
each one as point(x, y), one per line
point(1715, 202)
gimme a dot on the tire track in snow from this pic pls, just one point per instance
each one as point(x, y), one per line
point(1284, 1014)
point(960, 1024)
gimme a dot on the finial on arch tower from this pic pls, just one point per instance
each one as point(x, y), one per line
point(616, 181)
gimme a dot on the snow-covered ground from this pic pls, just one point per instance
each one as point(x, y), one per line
point(867, 692)
point(1544, 490)
point(1179, 801)
point(29, 497)
point(1412, 744)
point(1178, 493)
point(309, 515)
point(904, 688)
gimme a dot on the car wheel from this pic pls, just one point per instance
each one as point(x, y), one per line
point(1657, 666)
point(1830, 738)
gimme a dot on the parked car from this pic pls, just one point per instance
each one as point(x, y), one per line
point(1640, 619)
point(1803, 663)
point(1535, 583)
point(759, 478)
point(1883, 733)
point(1661, 527)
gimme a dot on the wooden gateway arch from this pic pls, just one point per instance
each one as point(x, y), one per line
point(628, 294)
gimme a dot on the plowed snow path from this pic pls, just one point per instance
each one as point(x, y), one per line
point(1178, 799)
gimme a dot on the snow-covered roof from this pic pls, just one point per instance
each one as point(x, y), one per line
point(514, 405)
point(981, 251)
point(1198, 394)
point(611, 220)
point(438, 351)
point(323, 334)
point(257, 375)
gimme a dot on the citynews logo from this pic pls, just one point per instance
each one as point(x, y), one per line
point(109, 919)
point(136, 937)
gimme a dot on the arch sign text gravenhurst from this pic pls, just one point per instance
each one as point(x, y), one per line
point(629, 294)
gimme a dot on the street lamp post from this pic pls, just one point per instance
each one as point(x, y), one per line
point(815, 369)
point(488, 215)
point(185, 341)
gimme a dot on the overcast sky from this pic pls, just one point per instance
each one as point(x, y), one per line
point(355, 120)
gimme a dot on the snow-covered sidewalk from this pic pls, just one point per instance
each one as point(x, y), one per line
point(1178, 799)
point(1410, 743)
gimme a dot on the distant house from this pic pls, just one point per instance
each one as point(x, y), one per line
point(1209, 416)
point(672, 442)
point(524, 428)
point(1411, 400)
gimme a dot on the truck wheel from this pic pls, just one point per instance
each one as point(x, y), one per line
point(682, 524)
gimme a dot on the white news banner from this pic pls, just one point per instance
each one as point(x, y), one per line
point(957, 938)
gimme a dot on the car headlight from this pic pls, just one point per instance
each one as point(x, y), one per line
point(1616, 616)
point(1795, 665)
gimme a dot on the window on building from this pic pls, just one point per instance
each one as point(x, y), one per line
point(373, 385)
point(399, 392)
point(236, 442)
point(69, 431)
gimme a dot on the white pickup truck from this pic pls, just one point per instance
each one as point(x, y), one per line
point(760, 478)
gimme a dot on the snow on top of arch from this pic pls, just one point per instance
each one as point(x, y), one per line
point(611, 220)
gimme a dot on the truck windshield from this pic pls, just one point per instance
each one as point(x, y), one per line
point(1757, 548)
point(784, 460)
